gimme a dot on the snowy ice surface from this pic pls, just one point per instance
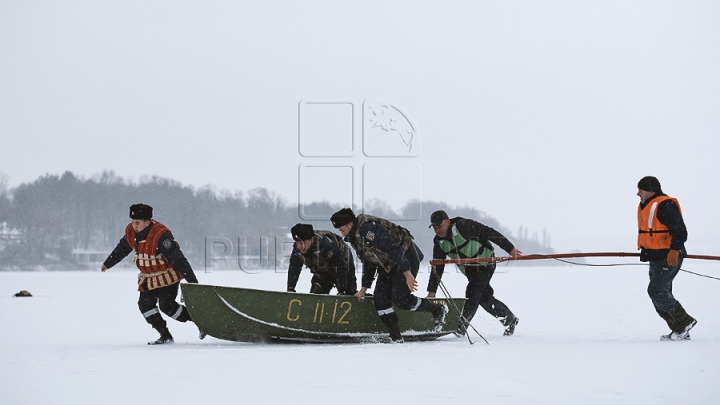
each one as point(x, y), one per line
point(587, 335)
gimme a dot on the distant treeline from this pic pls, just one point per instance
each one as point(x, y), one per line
point(67, 222)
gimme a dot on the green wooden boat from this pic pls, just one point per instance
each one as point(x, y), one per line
point(247, 315)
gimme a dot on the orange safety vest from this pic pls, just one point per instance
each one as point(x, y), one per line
point(155, 270)
point(652, 234)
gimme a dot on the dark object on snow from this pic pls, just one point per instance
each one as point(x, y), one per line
point(23, 293)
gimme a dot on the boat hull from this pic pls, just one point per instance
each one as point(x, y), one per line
point(248, 315)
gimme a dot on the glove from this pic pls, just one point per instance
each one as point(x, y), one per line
point(291, 289)
point(672, 257)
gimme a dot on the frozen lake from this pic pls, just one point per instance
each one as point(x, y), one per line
point(587, 335)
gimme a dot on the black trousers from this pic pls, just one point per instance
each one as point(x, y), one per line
point(319, 285)
point(165, 296)
point(660, 286)
point(479, 292)
point(391, 288)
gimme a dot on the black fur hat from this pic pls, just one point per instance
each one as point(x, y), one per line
point(141, 211)
point(342, 217)
point(302, 232)
point(649, 183)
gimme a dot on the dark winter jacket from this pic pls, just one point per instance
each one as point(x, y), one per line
point(373, 236)
point(470, 230)
point(327, 260)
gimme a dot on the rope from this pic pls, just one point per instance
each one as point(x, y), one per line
point(596, 265)
point(538, 256)
point(447, 295)
point(698, 274)
point(562, 256)
point(625, 264)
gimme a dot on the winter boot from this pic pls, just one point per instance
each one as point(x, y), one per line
point(461, 328)
point(395, 336)
point(682, 322)
point(165, 336)
point(509, 322)
point(683, 334)
point(674, 336)
point(438, 311)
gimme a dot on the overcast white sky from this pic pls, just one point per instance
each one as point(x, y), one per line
point(542, 114)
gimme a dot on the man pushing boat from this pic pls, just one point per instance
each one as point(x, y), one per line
point(388, 250)
point(328, 258)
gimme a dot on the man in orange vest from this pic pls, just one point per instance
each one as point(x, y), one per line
point(661, 240)
point(162, 265)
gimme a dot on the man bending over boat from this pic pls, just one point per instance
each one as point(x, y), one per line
point(387, 249)
point(328, 258)
point(162, 265)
